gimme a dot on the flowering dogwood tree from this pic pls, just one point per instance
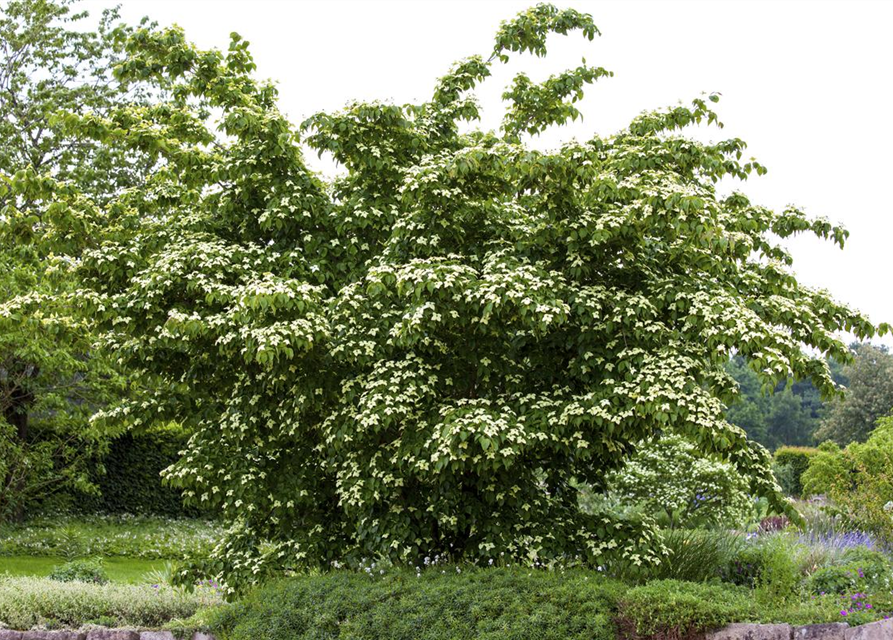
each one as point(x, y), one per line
point(427, 353)
point(669, 479)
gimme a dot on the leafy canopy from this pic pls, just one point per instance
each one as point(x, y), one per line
point(51, 377)
point(427, 353)
point(869, 396)
point(858, 479)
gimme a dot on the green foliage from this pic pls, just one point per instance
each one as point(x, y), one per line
point(110, 536)
point(785, 477)
point(119, 569)
point(744, 567)
point(770, 564)
point(861, 570)
point(788, 416)
point(671, 480)
point(163, 575)
point(85, 570)
point(511, 603)
point(29, 602)
point(677, 609)
point(424, 354)
point(697, 555)
point(796, 461)
point(132, 483)
point(694, 555)
point(859, 479)
point(778, 579)
point(51, 376)
point(869, 396)
point(837, 579)
point(456, 603)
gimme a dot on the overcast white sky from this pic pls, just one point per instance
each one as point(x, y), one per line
point(806, 84)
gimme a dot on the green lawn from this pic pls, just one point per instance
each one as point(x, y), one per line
point(130, 570)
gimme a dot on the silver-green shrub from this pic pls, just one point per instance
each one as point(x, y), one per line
point(30, 602)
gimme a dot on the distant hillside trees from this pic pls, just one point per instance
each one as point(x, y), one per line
point(794, 413)
point(869, 397)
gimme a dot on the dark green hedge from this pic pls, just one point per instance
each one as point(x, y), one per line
point(797, 458)
point(132, 480)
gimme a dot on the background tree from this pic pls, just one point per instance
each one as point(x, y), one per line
point(869, 396)
point(788, 414)
point(51, 377)
point(858, 479)
point(429, 353)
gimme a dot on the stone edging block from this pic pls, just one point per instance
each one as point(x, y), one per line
point(114, 634)
point(880, 630)
point(752, 632)
point(830, 631)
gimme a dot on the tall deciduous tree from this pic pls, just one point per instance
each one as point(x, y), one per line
point(426, 354)
point(869, 396)
point(51, 377)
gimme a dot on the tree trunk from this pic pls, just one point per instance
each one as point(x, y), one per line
point(16, 414)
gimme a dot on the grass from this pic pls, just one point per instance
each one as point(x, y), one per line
point(146, 537)
point(122, 570)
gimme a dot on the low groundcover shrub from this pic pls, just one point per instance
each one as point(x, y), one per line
point(676, 609)
point(449, 602)
point(505, 603)
point(85, 570)
point(442, 601)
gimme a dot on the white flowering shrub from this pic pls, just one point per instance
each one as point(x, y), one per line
point(424, 354)
point(671, 480)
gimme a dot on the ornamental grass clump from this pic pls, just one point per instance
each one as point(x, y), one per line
point(432, 351)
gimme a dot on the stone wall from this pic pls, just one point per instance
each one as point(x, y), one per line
point(881, 630)
point(95, 634)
